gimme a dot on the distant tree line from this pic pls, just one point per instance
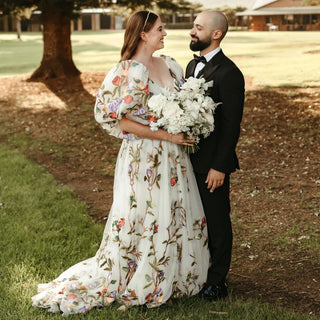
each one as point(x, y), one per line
point(56, 19)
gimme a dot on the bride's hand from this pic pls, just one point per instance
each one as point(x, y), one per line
point(180, 138)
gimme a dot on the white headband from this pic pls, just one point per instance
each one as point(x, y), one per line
point(145, 22)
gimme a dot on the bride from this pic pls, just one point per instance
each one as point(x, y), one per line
point(155, 241)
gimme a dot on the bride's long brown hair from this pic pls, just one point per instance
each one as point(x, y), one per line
point(138, 22)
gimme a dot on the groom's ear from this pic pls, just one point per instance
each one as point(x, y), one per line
point(217, 34)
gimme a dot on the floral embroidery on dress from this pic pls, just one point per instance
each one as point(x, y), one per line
point(154, 245)
point(124, 91)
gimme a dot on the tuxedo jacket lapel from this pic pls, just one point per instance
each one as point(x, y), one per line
point(212, 66)
point(190, 69)
point(208, 71)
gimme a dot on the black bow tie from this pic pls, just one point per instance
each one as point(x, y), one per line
point(200, 59)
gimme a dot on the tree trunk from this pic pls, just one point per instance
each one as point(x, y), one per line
point(57, 53)
point(18, 27)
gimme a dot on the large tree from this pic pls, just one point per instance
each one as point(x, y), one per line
point(56, 18)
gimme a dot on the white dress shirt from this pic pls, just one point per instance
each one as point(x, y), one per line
point(208, 57)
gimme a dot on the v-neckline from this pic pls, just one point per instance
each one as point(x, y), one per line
point(172, 88)
point(172, 74)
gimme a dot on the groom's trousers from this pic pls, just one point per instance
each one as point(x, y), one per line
point(217, 210)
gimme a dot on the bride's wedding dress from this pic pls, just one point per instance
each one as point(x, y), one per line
point(154, 244)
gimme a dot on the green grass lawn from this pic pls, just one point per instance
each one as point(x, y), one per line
point(269, 58)
point(45, 229)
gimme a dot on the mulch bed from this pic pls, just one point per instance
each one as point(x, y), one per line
point(278, 184)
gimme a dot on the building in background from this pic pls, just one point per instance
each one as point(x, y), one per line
point(105, 18)
point(283, 15)
point(89, 19)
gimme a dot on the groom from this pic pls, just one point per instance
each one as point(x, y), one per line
point(216, 158)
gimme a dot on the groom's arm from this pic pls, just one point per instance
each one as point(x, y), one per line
point(231, 93)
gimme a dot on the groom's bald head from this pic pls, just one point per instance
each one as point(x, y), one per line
point(216, 20)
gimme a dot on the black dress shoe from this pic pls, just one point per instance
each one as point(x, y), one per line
point(214, 292)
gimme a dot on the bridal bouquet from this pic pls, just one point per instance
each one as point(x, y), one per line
point(189, 110)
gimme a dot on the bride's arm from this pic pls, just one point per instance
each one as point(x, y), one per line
point(144, 131)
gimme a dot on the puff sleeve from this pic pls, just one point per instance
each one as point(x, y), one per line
point(124, 91)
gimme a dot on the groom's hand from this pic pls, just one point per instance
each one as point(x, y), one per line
point(215, 179)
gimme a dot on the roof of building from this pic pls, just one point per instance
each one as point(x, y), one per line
point(221, 3)
point(281, 11)
point(262, 3)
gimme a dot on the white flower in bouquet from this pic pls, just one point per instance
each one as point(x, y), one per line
point(156, 104)
point(196, 85)
point(171, 110)
point(184, 94)
point(192, 108)
point(189, 110)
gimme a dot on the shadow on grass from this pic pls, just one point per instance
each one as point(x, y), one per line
point(279, 132)
point(69, 90)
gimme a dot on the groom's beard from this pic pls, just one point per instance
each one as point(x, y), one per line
point(199, 45)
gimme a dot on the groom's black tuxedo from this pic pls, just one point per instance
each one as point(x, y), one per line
point(218, 152)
